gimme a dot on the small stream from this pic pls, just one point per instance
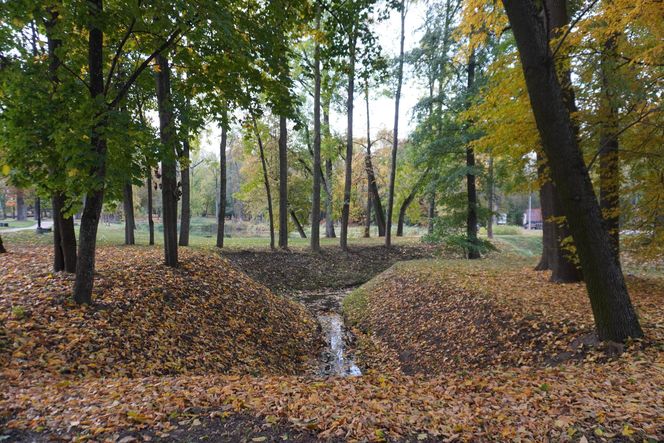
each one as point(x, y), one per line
point(335, 360)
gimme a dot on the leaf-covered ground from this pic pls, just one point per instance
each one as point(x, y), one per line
point(519, 394)
point(147, 319)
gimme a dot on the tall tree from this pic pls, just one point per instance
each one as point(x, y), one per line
point(315, 198)
point(150, 210)
point(168, 137)
point(185, 214)
point(283, 182)
point(221, 214)
point(266, 180)
point(348, 161)
point(395, 135)
point(471, 190)
point(615, 318)
point(373, 194)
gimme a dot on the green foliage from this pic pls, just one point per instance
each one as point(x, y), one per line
point(449, 231)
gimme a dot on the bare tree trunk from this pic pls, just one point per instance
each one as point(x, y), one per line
point(94, 200)
point(432, 212)
point(549, 242)
point(150, 219)
point(371, 176)
point(64, 237)
point(169, 191)
point(221, 214)
point(298, 225)
point(315, 197)
point(367, 220)
point(266, 181)
point(128, 205)
point(283, 183)
point(185, 216)
point(489, 223)
point(395, 137)
point(609, 159)
point(471, 215)
point(615, 318)
point(21, 212)
point(348, 176)
point(329, 210)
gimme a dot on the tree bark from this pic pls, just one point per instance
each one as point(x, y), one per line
point(94, 199)
point(21, 213)
point(64, 237)
point(432, 212)
point(329, 211)
point(150, 210)
point(315, 197)
point(348, 170)
point(549, 242)
point(371, 176)
point(615, 318)
point(266, 182)
point(471, 190)
point(169, 188)
point(395, 136)
point(128, 205)
point(367, 219)
point(283, 183)
point(185, 215)
point(2, 246)
point(489, 222)
point(609, 159)
point(298, 225)
point(221, 214)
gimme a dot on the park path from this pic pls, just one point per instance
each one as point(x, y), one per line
point(45, 225)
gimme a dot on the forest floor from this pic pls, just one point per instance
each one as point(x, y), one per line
point(450, 350)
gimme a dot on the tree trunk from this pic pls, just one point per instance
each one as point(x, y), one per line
point(329, 210)
point(407, 201)
point(94, 200)
point(432, 212)
point(615, 318)
point(549, 242)
point(371, 176)
point(221, 214)
point(128, 205)
point(169, 188)
point(283, 183)
point(266, 181)
point(563, 268)
point(21, 212)
point(315, 197)
point(367, 220)
point(185, 216)
point(489, 222)
point(609, 159)
point(150, 219)
point(395, 137)
point(2, 246)
point(58, 250)
point(348, 170)
point(298, 225)
point(471, 214)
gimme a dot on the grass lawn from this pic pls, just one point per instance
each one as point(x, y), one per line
point(17, 224)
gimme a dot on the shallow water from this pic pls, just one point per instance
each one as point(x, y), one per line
point(335, 360)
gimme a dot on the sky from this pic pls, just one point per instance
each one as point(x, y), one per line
point(381, 108)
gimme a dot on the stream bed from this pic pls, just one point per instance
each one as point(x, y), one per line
point(336, 359)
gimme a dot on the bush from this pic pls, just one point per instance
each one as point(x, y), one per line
point(449, 232)
point(507, 230)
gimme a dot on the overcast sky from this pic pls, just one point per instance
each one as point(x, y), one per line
point(381, 107)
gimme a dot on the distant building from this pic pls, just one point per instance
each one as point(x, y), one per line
point(533, 220)
point(501, 219)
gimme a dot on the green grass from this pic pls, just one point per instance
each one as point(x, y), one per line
point(17, 224)
point(523, 245)
point(113, 234)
